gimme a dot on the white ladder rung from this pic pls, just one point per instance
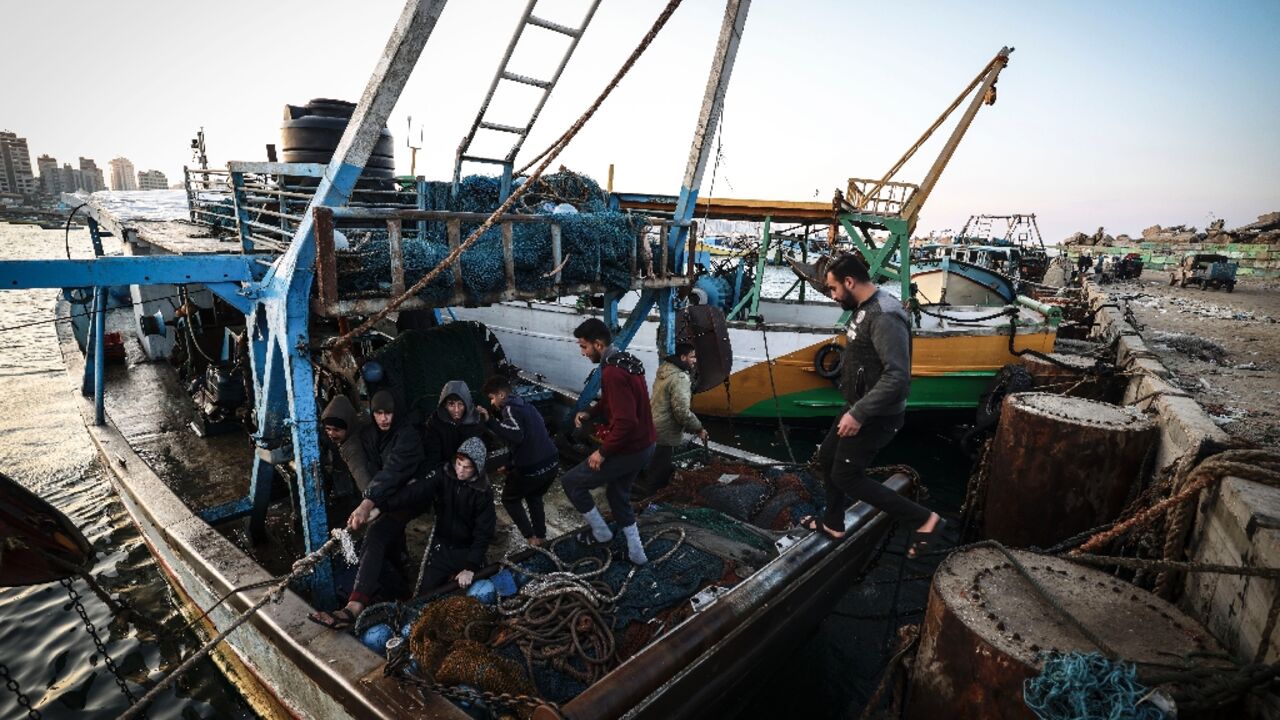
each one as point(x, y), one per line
point(554, 27)
point(502, 128)
point(526, 80)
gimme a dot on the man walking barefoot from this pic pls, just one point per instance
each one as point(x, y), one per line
point(875, 378)
point(629, 438)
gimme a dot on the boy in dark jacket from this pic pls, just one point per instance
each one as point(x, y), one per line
point(454, 420)
point(629, 438)
point(535, 462)
point(459, 493)
point(393, 455)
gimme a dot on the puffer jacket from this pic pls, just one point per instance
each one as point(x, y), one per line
point(465, 517)
point(442, 436)
point(392, 458)
point(672, 393)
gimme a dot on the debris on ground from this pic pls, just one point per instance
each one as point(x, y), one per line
point(1192, 346)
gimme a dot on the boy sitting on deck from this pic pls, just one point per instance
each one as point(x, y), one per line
point(535, 462)
point(460, 494)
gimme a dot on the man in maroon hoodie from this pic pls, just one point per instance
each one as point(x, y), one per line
point(629, 438)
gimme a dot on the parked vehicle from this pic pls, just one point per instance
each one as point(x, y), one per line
point(1129, 267)
point(1207, 270)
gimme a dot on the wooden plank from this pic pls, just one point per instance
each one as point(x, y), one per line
point(326, 263)
point(454, 229)
point(508, 255)
point(394, 242)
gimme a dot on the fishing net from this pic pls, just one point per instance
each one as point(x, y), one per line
point(767, 498)
point(595, 241)
point(1088, 686)
point(419, 362)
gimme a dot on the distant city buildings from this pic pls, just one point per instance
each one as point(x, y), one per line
point(123, 175)
point(152, 180)
point(16, 177)
point(91, 180)
point(50, 181)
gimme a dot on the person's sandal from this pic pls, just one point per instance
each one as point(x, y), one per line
point(340, 619)
point(586, 538)
point(926, 541)
point(813, 524)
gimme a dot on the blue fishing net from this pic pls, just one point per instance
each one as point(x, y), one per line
point(1087, 686)
point(596, 243)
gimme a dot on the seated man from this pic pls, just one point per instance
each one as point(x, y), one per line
point(454, 420)
point(393, 453)
point(534, 464)
point(459, 493)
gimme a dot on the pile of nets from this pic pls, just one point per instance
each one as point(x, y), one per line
point(1088, 686)
point(770, 498)
point(596, 243)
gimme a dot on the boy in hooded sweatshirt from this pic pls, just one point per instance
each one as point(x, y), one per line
point(459, 493)
point(393, 454)
point(535, 461)
point(454, 420)
point(342, 457)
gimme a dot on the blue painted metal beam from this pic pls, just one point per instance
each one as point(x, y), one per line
point(105, 271)
point(731, 29)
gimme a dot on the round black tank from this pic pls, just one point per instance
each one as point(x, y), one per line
point(310, 134)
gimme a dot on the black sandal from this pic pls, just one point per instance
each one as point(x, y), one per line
point(812, 523)
point(340, 619)
point(926, 540)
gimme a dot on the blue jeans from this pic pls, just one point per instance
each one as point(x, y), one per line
point(616, 475)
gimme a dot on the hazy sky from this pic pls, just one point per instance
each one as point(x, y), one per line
point(1121, 114)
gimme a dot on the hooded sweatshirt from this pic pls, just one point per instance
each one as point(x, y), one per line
point(442, 436)
point(624, 403)
point(393, 457)
point(465, 518)
point(672, 392)
point(521, 427)
point(350, 452)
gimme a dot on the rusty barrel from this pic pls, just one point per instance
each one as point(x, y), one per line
point(985, 627)
point(1061, 465)
point(1069, 374)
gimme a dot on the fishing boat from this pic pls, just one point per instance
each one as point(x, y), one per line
point(259, 293)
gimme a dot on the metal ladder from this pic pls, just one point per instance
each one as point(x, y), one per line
point(527, 18)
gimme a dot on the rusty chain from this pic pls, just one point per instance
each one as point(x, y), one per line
point(97, 641)
point(12, 685)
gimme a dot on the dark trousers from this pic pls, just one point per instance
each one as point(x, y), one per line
point(616, 475)
point(520, 490)
point(660, 467)
point(843, 462)
point(442, 564)
point(385, 537)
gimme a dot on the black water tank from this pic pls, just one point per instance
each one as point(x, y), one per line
point(311, 133)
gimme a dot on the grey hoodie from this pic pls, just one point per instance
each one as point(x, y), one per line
point(442, 436)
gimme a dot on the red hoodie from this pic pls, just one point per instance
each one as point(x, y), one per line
point(624, 403)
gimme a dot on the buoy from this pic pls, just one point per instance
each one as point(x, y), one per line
point(1061, 465)
point(985, 628)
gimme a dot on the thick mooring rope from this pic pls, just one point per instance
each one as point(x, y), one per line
point(303, 566)
point(548, 155)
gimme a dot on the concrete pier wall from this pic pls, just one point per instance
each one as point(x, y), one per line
point(1237, 521)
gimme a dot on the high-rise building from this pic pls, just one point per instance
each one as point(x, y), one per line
point(91, 176)
point(16, 177)
point(50, 178)
point(123, 175)
point(72, 179)
point(152, 180)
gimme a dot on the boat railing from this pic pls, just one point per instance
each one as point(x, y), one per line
point(878, 197)
point(649, 262)
point(263, 202)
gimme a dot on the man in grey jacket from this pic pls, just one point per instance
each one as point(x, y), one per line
point(875, 380)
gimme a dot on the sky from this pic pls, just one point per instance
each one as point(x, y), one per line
point(1113, 114)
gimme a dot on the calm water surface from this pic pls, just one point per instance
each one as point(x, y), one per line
point(43, 444)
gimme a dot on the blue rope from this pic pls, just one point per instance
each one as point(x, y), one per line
point(1080, 686)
